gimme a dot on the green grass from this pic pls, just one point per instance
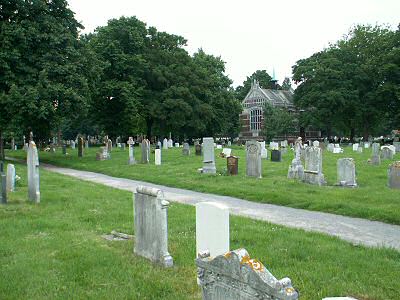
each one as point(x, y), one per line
point(54, 250)
point(371, 200)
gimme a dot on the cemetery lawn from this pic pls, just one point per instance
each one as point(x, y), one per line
point(55, 250)
point(372, 200)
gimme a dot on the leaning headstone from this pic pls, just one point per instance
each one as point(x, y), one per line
point(10, 178)
point(296, 169)
point(197, 149)
point(386, 153)
point(313, 166)
point(232, 165)
point(80, 147)
point(212, 228)
point(131, 160)
point(3, 184)
point(157, 156)
point(394, 175)
point(276, 155)
point(235, 276)
point(145, 151)
point(346, 172)
point(253, 159)
point(165, 144)
point(151, 225)
point(376, 157)
point(186, 149)
point(33, 173)
point(208, 156)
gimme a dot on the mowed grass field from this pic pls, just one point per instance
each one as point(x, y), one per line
point(55, 250)
point(371, 200)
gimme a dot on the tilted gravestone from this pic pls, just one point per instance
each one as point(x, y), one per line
point(313, 166)
point(186, 149)
point(376, 158)
point(145, 151)
point(33, 173)
point(80, 147)
point(232, 165)
point(212, 228)
point(253, 159)
point(208, 156)
point(151, 225)
point(10, 178)
point(394, 175)
point(235, 276)
point(346, 172)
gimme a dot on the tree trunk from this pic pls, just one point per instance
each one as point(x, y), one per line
point(366, 132)
point(352, 134)
point(2, 155)
point(149, 124)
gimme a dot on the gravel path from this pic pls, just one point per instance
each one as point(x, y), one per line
point(354, 230)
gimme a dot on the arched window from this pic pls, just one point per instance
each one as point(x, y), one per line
point(255, 119)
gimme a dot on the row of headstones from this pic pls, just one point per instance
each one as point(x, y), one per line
point(221, 274)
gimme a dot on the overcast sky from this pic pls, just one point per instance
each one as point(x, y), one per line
point(249, 35)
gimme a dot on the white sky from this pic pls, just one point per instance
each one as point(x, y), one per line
point(249, 35)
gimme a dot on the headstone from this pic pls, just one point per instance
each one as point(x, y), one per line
point(284, 144)
point(80, 147)
point(3, 184)
point(119, 145)
point(296, 169)
point(33, 173)
point(376, 157)
point(313, 166)
point(337, 145)
point(230, 144)
point(346, 172)
point(186, 149)
point(165, 144)
point(64, 149)
point(393, 148)
point(212, 228)
point(397, 146)
point(235, 276)
point(276, 155)
point(273, 146)
point(151, 225)
point(355, 147)
point(226, 152)
point(109, 145)
point(170, 143)
point(197, 149)
point(386, 153)
point(159, 144)
point(131, 160)
point(253, 159)
point(366, 145)
point(10, 178)
point(330, 147)
point(219, 146)
point(232, 165)
point(86, 144)
point(315, 144)
point(394, 175)
point(264, 153)
point(157, 159)
point(123, 146)
point(103, 154)
point(145, 151)
point(176, 145)
point(72, 145)
point(208, 156)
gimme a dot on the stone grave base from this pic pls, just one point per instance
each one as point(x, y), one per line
point(314, 178)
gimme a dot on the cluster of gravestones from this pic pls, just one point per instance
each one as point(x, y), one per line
point(221, 273)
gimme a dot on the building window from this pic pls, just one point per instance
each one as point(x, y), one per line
point(255, 119)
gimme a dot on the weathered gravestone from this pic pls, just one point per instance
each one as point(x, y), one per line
point(10, 178)
point(226, 152)
point(109, 145)
point(86, 144)
point(64, 149)
point(253, 159)
point(33, 173)
point(157, 156)
point(330, 147)
point(235, 276)
point(80, 147)
point(232, 165)
point(151, 225)
point(276, 155)
point(313, 166)
point(230, 144)
point(296, 169)
point(355, 147)
point(212, 228)
point(394, 175)
point(103, 153)
point(376, 158)
point(131, 160)
point(208, 156)
point(170, 143)
point(366, 145)
point(386, 153)
point(397, 146)
point(360, 149)
point(346, 172)
point(3, 184)
point(176, 145)
point(186, 149)
point(72, 143)
point(165, 144)
point(316, 143)
point(273, 146)
point(123, 146)
point(264, 152)
point(145, 151)
point(197, 149)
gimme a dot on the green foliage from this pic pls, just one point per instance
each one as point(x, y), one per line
point(286, 84)
point(353, 85)
point(261, 76)
point(277, 122)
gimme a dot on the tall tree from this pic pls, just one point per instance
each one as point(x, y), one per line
point(261, 76)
